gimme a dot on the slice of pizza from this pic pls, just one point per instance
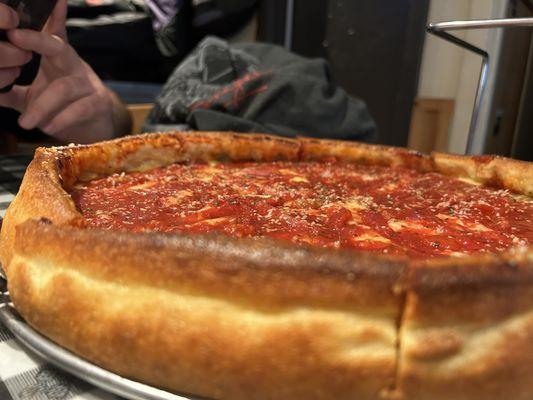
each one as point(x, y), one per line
point(256, 267)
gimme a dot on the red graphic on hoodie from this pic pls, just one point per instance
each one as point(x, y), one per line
point(232, 96)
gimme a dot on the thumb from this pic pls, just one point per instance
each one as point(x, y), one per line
point(56, 22)
point(15, 98)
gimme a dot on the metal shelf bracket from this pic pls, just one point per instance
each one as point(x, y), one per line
point(441, 29)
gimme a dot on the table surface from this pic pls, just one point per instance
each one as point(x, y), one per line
point(24, 376)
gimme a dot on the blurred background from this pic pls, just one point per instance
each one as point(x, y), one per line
point(419, 89)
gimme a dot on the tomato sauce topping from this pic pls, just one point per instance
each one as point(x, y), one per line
point(326, 204)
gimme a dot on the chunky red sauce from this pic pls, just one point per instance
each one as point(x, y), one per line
point(371, 208)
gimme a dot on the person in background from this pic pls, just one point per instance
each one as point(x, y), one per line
point(144, 40)
point(67, 100)
point(243, 87)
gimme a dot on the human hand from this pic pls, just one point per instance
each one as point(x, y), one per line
point(67, 100)
point(11, 57)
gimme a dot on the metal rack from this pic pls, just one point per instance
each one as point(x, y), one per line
point(441, 30)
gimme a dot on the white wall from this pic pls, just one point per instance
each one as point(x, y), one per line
point(441, 61)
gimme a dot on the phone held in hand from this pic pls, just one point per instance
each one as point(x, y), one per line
point(33, 14)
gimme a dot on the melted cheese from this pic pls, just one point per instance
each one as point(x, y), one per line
point(372, 237)
point(143, 186)
point(358, 203)
point(400, 225)
point(472, 226)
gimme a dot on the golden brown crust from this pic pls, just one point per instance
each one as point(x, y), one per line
point(280, 321)
point(467, 342)
point(212, 316)
point(494, 171)
point(265, 271)
point(362, 153)
point(41, 195)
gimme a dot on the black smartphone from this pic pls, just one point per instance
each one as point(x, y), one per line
point(33, 14)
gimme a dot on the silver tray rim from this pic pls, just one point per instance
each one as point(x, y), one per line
point(73, 364)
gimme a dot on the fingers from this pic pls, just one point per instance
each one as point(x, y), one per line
point(59, 95)
point(9, 19)
point(57, 21)
point(10, 56)
point(39, 42)
point(76, 114)
point(8, 76)
point(15, 98)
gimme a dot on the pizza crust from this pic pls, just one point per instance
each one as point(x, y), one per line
point(260, 319)
point(494, 171)
point(212, 316)
point(467, 327)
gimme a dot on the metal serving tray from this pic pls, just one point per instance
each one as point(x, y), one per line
point(70, 362)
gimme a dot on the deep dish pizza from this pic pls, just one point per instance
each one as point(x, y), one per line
point(255, 267)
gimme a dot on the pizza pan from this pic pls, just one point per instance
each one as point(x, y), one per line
point(70, 362)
